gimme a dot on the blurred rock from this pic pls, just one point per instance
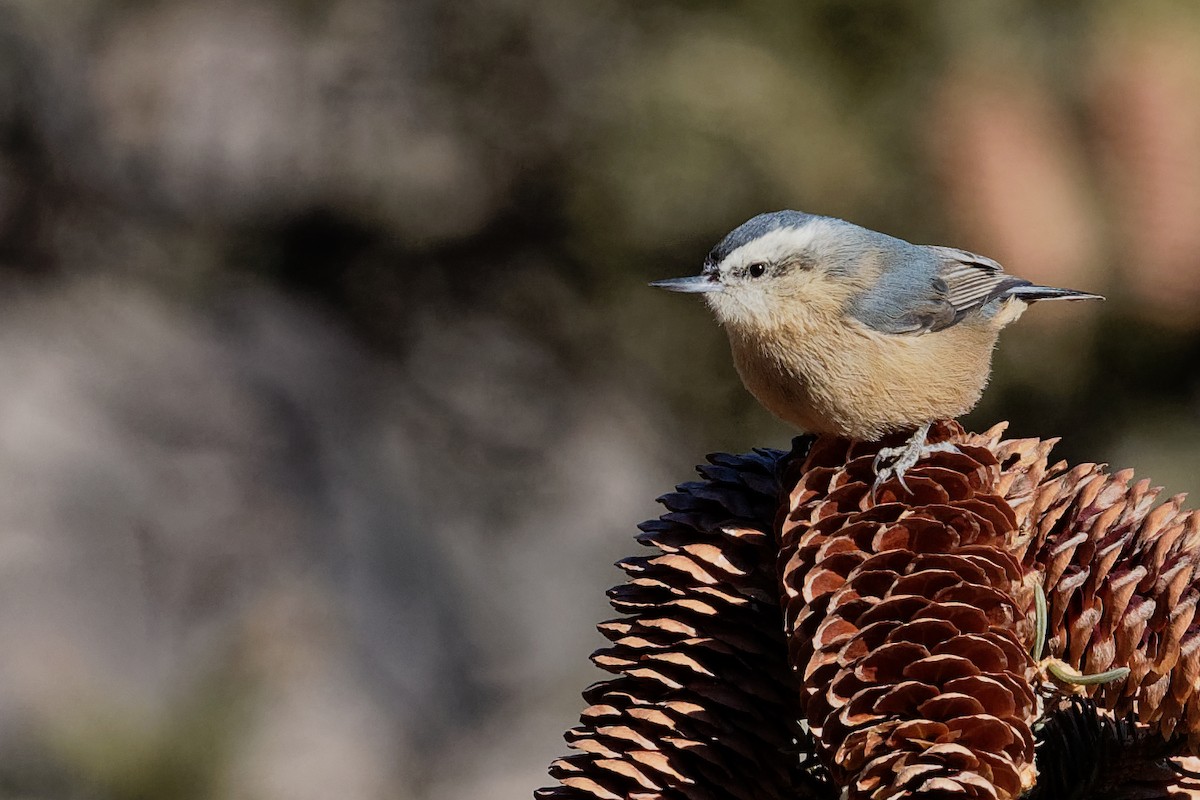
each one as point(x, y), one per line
point(231, 109)
point(172, 470)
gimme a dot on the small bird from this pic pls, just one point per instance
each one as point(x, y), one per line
point(839, 329)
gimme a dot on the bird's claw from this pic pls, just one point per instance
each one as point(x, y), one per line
point(894, 462)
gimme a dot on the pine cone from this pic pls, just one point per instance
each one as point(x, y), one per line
point(910, 624)
point(1085, 752)
point(797, 637)
point(1122, 585)
point(704, 706)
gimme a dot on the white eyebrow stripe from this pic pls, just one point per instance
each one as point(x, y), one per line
point(780, 243)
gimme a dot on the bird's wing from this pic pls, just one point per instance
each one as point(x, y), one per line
point(971, 280)
point(935, 292)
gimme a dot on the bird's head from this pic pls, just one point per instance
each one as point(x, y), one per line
point(779, 265)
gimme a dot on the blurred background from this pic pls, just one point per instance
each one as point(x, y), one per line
point(332, 386)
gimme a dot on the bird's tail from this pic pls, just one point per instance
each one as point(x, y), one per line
point(1031, 292)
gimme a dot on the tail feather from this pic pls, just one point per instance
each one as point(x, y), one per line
point(1032, 292)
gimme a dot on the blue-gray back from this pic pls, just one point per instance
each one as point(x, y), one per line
point(922, 288)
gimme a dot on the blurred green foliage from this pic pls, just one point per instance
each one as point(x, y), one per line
point(106, 751)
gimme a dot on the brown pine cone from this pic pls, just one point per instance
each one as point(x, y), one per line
point(909, 621)
point(1121, 582)
point(704, 706)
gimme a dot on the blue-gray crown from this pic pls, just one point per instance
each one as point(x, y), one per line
point(755, 227)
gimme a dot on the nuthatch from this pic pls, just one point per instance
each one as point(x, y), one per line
point(840, 329)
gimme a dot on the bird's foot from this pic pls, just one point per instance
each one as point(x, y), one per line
point(894, 462)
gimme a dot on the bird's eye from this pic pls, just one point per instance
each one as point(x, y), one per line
point(756, 270)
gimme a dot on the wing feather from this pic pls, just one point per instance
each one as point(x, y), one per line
point(971, 280)
point(924, 289)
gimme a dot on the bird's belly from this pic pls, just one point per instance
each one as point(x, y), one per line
point(864, 384)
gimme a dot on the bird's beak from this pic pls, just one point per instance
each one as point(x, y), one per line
point(696, 283)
